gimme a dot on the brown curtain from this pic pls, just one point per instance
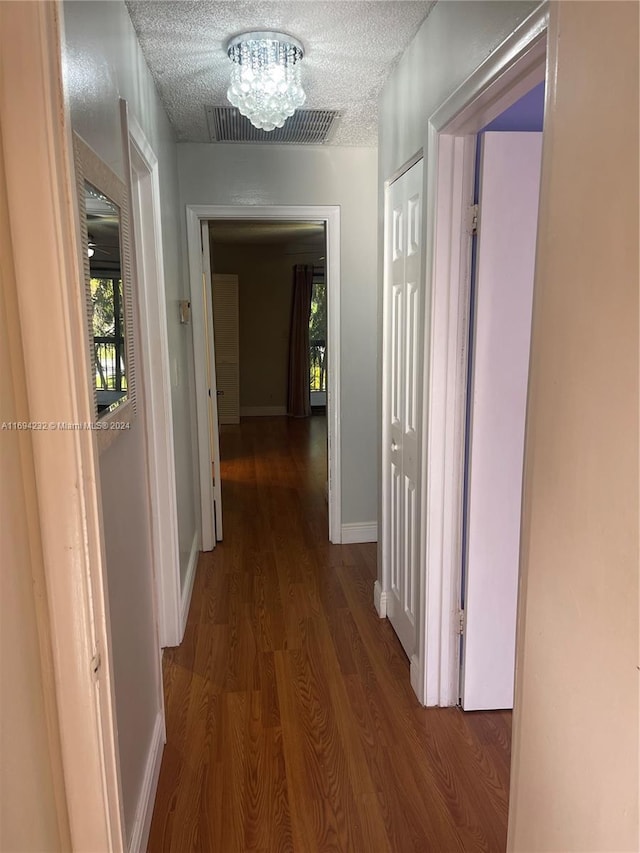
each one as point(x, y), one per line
point(298, 404)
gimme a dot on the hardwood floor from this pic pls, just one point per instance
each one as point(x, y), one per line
point(291, 724)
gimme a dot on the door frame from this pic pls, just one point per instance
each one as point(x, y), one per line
point(330, 215)
point(147, 221)
point(204, 321)
point(514, 68)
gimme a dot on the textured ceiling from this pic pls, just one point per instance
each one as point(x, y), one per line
point(350, 48)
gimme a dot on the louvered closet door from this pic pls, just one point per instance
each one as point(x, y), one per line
point(402, 400)
point(226, 328)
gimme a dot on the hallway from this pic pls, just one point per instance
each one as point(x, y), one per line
point(291, 723)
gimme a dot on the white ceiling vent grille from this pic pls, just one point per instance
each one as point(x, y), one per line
point(305, 127)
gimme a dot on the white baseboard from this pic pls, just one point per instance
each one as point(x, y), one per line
point(354, 533)
point(188, 584)
point(262, 411)
point(380, 600)
point(147, 798)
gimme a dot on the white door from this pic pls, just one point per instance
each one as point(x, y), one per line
point(226, 330)
point(402, 399)
point(505, 260)
point(214, 429)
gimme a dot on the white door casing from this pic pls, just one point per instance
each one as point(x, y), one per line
point(145, 206)
point(226, 330)
point(402, 306)
point(511, 70)
point(330, 215)
point(507, 226)
point(211, 400)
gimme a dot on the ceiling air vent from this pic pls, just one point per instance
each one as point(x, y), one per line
point(305, 127)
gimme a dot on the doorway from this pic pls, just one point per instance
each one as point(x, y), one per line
point(512, 70)
point(503, 246)
point(253, 268)
point(329, 218)
point(269, 326)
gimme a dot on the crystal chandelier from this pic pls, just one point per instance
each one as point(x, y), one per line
point(265, 79)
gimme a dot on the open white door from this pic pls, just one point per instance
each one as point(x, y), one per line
point(505, 261)
point(212, 404)
point(403, 291)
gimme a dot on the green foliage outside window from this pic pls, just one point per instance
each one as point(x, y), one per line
point(318, 335)
point(108, 333)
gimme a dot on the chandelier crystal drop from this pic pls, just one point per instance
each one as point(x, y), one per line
point(265, 78)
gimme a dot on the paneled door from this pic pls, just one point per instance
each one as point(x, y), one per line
point(505, 262)
point(403, 308)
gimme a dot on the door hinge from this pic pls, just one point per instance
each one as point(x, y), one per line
point(472, 219)
point(461, 622)
point(96, 663)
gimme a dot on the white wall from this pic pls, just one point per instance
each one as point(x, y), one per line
point(574, 779)
point(455, 38)
point(295, 175)
point(103, 62)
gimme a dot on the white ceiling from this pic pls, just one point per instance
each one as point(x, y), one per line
point(350, 48)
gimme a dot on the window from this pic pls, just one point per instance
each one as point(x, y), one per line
point(318, 336)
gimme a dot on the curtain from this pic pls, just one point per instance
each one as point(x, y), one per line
point(298, 404)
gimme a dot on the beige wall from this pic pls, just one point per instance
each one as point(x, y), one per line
point(265, 279)
point(30, 765)
point(317, 175)
point(575, 751)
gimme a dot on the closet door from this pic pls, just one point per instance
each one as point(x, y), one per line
point(403, 300)
point(226, 328)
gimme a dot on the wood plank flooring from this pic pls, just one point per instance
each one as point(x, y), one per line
point(291, 724)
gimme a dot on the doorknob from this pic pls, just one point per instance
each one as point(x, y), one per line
point(394, 444)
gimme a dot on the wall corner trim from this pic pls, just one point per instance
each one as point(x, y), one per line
point(366, 531)
point(146, 801)
point(187, 589)
point(416, 680)
point(380, 600)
